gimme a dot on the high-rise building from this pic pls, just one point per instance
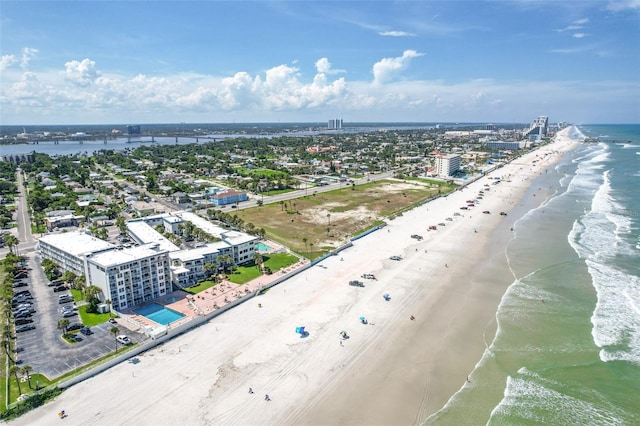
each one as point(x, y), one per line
point(335, 124)
point(538, 128)
point(447, 165)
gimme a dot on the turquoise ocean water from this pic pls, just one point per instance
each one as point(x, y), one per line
point(567, 347)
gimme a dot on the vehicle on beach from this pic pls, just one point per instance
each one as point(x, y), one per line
point(356, 283)
point(486, 212)
point(503, 214)
point(442, 224)
point(456, 213)
point(449, 219)
point(416, 237)
point(464, 208)
point(368, 276)
point(395, 257)
point(432, 228)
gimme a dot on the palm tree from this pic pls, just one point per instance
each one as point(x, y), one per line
point(304, 240)
point(257, 259)
point(15, 370)
point(108, 303)
point(92, 292)
point(11, 241)
point(115, 330)
point(329, 218)
point(26, 370)
point(63, 324)
point(6, 344)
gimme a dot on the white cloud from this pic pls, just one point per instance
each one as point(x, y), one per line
point(284, 93)
point(578, 24)
point(81, 73)
point(619, 6)
point(6, 61)
point(396, 34)
point(323, 65)
point(579, 35)
point(385, 69)
point(28, 53)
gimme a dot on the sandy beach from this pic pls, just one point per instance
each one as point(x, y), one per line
point(392, 370)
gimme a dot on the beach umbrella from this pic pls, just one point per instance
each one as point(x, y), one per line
point(386, 296)
point(300, 330)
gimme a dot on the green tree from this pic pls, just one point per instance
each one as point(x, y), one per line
point(10, 241)
point(26, 370)
point(115, 330)
point(63, 323)
point(14, 370)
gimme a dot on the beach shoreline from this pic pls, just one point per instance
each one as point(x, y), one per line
point(392, 370)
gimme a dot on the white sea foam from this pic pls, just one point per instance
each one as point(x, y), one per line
point(596, 238)
point(532, 398)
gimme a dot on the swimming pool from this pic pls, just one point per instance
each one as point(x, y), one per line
point(158, 313)
point(262, 247)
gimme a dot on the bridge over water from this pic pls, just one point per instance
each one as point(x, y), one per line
point(142, 138)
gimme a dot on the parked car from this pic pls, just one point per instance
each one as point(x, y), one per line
point(442, 224)
point(74, 326)
point(449, 219)
point(503, 214)
point(26, 327)
point(464, 208)
point(368, 276)
point(86, 331)
point(356, 283)
point(416, 237)
point(23, 321)
point(60, 288)
point(22, 315)
point(124, 340)
point(395, 257)
point(63, 301)
point(68, 314)
point(20, 284)
point(486, 212)
point(432, 228)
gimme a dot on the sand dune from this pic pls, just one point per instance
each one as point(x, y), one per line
point(393, 370)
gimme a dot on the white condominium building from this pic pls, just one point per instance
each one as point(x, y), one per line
point(132, 276)
point(447, 165)
point(69, 249)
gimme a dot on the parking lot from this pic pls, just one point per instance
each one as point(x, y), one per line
point(43, 348)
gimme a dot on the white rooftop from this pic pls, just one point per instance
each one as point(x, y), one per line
point(119, 257)
point(146, 234)
point(76, 243)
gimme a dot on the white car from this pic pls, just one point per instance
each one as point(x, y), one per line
point(124, 340)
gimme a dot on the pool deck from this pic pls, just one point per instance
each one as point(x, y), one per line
point(209, 300)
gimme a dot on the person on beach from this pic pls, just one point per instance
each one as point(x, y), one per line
point(250, 390)
point(266, 397)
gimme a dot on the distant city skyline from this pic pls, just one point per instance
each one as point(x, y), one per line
point(68, 62)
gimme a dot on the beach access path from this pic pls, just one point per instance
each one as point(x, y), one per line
point(391, 370)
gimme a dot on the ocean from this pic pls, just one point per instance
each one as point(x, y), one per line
point(567, 346)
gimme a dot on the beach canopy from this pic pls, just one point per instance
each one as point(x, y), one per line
point(362, 318)
point(386, 296)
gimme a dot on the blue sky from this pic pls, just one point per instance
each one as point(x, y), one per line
point(83, 62)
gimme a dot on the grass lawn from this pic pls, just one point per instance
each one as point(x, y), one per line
point(36, 379)
point(200, 287)
point(277, 261)
point(244, 274)
point(249, 271)
point(92, 319)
